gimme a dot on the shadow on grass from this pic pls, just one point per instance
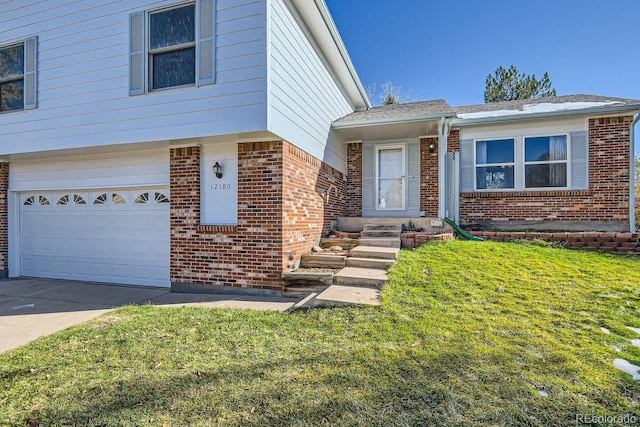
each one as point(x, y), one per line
point(392, 388)
point(303, 390)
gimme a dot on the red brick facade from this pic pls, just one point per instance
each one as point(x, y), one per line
point(4, 225)
point(314, 194)
point(354, 179)
point(429, 177)
point(281, 213)
point(606, 200)
point(453, 141)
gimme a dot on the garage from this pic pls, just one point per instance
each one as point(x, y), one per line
point(100, 217)
point(115, 235)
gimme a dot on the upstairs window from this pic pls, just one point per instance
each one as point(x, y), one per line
point(172, 47)
point(495, 164)
point(17, 76)
point(12, 78)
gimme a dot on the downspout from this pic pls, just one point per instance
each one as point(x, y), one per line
point(443, 134)
point(632, 186)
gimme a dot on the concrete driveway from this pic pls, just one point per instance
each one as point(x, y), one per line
point(31, 308)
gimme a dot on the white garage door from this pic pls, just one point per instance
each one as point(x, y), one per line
point(116, 236)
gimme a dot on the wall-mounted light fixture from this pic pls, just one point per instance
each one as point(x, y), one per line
point(217, 170)
point(432, 147)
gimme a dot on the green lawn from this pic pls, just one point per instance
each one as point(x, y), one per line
point(468, 334)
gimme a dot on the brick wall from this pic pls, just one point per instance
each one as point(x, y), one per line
point(354, 180)
point(606, 200)
point(4, 227)
point(314, 194)
point(453, 142)
point(249, 255)
point(429, 177)
point(279, 210)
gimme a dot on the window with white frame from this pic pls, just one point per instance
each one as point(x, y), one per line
point(545, 161)
point(18, 64)
point(495, 164)
point(12, 77)
point(526, 162)
point(172, 47)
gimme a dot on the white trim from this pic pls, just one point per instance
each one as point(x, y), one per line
point(80, 188)
point(567, 162)
point(484, 165)
point(519, 164)
point(148, 51)
point(378, 148)
point(13, 220)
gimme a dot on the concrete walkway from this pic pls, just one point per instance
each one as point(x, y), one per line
point(31, 308)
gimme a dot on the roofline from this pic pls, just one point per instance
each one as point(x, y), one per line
point(396, 121)
point(460, 122)
point(333, 49)
point(331, 25)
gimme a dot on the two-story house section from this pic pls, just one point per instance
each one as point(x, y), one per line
point(156, 142)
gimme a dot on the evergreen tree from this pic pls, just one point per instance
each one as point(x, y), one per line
point(509, 85)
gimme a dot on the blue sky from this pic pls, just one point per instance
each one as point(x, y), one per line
point(445, 49)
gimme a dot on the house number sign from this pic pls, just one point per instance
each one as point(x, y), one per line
point(220, 187)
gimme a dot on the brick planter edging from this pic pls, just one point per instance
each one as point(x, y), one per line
point(606, 242)
point(413, 240)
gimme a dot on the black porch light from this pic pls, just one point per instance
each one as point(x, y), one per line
point(217, 170)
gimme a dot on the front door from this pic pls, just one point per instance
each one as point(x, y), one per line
point(390, 177)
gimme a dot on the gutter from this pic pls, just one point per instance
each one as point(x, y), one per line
point(394, 121)
point(632, 186)
point(443, 135)
point(460, 122)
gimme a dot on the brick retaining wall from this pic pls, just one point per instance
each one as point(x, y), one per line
point(606, 242)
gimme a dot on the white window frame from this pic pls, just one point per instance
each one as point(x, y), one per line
point(16, 78)
point(519, 164)
point(29, 75)
point(381, 147)
point(485, 165)
point(140, 69)
point(525, 163)
point(150, 52)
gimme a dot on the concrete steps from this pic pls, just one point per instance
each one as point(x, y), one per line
point(314, 260)
point(381, 235)
point(384, 242)
point(355, 276)
point(377, 263)
point(376, 234)
point(382, 227)
point(362, 273)
point(347, 295)
point(375, 252)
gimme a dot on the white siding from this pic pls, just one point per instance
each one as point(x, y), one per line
point(219, 197)
point(304, 97)
point(129, 169)
point(83, 97)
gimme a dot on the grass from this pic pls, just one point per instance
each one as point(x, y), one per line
point(468, 334)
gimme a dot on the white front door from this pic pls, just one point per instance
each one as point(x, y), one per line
point(390, 177)
point(116, 236)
